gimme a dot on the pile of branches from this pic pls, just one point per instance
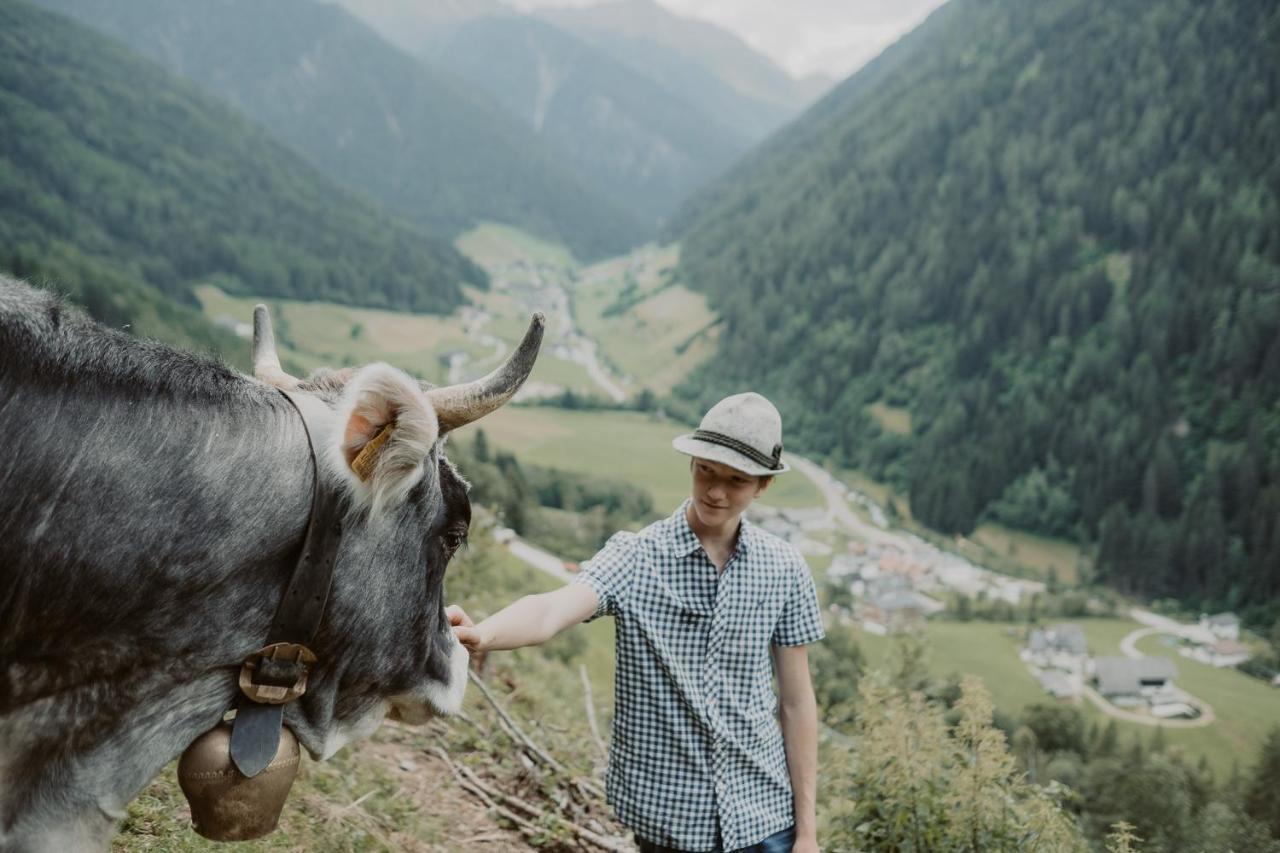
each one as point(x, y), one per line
point(520, 782)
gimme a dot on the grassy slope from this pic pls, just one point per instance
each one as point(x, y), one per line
point(364, 798)
point(667, 329)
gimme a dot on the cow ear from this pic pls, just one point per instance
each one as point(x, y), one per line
point(385, 430)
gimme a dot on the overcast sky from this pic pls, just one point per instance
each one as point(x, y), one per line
point(803, 36)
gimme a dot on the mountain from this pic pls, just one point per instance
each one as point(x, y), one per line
point(711, 67)
point(123, 187)
point(369, 115)
point(416, 27)
point(639, 142)
point(1049, 232)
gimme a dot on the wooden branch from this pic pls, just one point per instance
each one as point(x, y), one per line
point(591, 712)
point(516, 730)
point(519, 735)
point(497, 800)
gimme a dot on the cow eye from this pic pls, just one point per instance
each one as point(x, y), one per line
point(453, 539)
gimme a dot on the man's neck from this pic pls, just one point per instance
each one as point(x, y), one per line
point(717, 539)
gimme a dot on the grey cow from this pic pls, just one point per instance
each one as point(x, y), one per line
point(152, 506)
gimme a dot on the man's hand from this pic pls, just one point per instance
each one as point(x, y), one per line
point(467, 633)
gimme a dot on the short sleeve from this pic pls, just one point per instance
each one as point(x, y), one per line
point(801, 620)
point(609, 572)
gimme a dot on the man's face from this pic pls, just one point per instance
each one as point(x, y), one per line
point(721, 493)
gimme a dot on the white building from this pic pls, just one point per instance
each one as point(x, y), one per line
point(1224, 626)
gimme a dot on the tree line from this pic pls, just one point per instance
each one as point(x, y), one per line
point(1049, 231)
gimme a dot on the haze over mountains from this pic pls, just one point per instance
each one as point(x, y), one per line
point(648, 104)
point(591, 138)
point(1049, 231)
point(121, 183)
point(370, 116)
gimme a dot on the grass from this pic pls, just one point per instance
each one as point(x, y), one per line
point(666, 331)
point(321, 334)
point(988, 650)
point(627, 445)
point(492, 245)
point(891, 418)
point(1246, 708)
point(1039, 554)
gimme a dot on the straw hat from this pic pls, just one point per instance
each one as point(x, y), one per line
point(743, 431)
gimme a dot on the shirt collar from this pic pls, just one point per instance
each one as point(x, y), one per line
point(684, 541)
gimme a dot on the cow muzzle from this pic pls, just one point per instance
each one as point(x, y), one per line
point(436, 699)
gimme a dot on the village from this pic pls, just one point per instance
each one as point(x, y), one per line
point(892, 582)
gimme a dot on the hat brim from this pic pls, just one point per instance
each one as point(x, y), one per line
point(691, 446)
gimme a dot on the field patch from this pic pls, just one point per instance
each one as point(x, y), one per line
point(649, 326)
point(892, 419)
point(625, 445)
point(491, 244)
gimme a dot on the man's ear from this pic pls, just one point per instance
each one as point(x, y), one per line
point(386, 428)
point(763, 483)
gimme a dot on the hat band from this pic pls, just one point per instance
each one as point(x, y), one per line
point(772, 463)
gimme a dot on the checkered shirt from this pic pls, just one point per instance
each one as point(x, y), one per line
point(696, 743)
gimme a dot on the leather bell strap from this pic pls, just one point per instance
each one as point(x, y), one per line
point(255, 732)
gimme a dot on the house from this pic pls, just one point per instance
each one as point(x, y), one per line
point(1224, 626)
point(891, 606)
point(1221, 653)
point(1060, 647)
point(1136, 682)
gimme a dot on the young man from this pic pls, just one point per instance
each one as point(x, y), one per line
point(708, 608)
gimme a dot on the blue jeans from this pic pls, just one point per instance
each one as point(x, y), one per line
point(779, 842)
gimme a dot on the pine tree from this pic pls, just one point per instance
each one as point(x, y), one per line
point(1262, 798)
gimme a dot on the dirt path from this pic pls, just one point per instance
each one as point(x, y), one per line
point(838, 509)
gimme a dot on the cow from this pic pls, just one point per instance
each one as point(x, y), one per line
point(153, 503)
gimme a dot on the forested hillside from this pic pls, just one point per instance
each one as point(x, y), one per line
point(639, 142)
point(372, 117)
point(1051, 232)
point(115, 177)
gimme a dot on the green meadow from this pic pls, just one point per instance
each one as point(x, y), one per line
point(1246, 708)
point(649, 326)
point(626, 445)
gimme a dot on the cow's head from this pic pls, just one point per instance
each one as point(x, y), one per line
point(384, 643)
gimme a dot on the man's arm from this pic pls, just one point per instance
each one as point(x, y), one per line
point(798, 718)
point(528, 621)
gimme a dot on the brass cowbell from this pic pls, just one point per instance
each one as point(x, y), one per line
point(225, 804)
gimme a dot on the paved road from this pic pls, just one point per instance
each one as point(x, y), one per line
point(838, 509)
point(541, 560)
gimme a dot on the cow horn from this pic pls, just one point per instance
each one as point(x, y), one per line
point(266, 364)
point(459, 405)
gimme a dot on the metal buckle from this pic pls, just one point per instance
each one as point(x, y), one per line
point(276, 674)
